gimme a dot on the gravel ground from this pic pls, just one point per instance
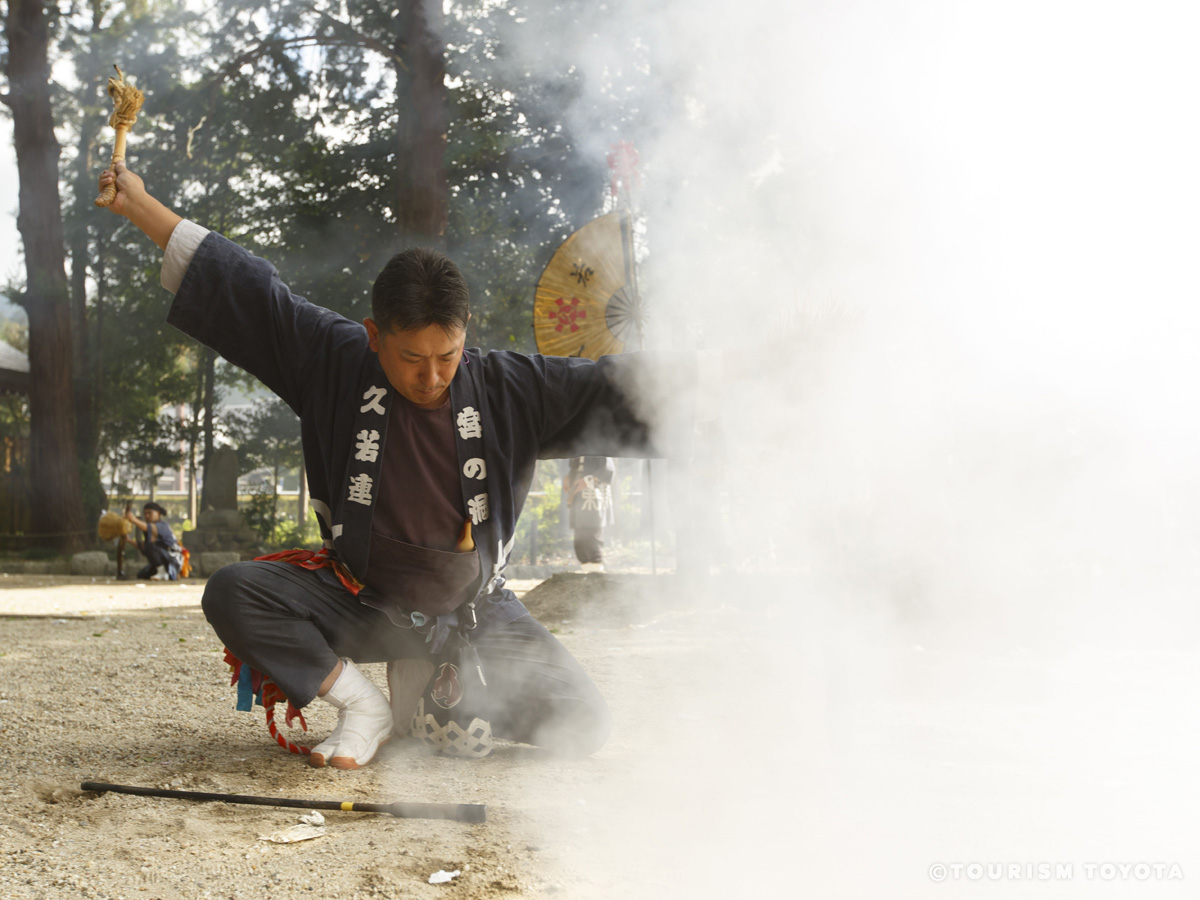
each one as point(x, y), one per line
point(124, 683)
point(764, 745)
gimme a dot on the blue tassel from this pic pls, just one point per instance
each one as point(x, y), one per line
point(245, 698)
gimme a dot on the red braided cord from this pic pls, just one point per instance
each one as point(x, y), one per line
point(270, 694)
point(279, 738)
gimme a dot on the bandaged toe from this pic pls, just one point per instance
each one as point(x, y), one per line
point(364, 722)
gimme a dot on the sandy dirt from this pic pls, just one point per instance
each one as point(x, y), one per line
point(766, 744)
point(124, 683)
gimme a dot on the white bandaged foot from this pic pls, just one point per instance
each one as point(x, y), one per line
point(364, 722)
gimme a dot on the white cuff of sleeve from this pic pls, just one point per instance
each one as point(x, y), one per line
point(181, 247)
point(711, 365)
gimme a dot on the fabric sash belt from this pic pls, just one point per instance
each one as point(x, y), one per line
point(316, 559)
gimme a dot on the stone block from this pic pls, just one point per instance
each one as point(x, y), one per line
point(207, 563)
point(220, 479)
point(219, 518)
point(92, 562)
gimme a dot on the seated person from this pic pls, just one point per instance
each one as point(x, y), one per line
point(163, 555)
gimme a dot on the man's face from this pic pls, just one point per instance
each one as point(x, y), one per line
point(420, 363)
point(150, 515)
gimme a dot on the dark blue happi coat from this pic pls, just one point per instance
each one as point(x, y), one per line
point(509, 410)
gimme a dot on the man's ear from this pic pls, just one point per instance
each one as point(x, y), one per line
point(372, 333)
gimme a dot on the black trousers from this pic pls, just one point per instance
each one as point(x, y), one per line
point(156, 558)
point(293, 624)
point(589, 543)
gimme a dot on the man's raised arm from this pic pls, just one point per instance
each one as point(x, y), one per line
point(176, 236)
point(134, 203)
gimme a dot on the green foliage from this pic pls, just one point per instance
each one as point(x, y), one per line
point(279, 530)
point(261, 513)
point(129, 365)
point(282, 126)
point(14, 333)
point(543, 509)
point(14, 415)
point(288, 534)
point(150, 442)
point(14, 443)
point(268, 437)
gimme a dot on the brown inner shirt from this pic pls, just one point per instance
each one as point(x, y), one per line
point(418, 514)
point(420, 497)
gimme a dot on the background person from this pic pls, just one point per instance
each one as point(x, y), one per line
point(164, 558)
point(590, 504)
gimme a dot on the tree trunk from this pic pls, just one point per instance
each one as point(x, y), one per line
point(193, 433)
point(274, 500)
point(192, 498)
point(87, 423)
point(421, 100)
point(56, 498)
point(302, 498)
point(98, 340)
point(210, 375)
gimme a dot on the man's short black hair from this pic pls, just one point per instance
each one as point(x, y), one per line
point(154, 506)
point(417, 288)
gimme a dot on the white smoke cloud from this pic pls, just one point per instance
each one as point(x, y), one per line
point(955, 244)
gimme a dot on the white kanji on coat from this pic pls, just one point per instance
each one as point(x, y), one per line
point(360, 489)
point(468, 423)
point(477, 506)
point(373, 395)
point(590, 498)
point(367, 446)
point(475, 468)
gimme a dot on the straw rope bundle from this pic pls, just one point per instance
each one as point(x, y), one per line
point(127, 100)
point(113, 525)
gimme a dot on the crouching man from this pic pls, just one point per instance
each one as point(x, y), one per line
point(164, 558)
point(419, 454)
